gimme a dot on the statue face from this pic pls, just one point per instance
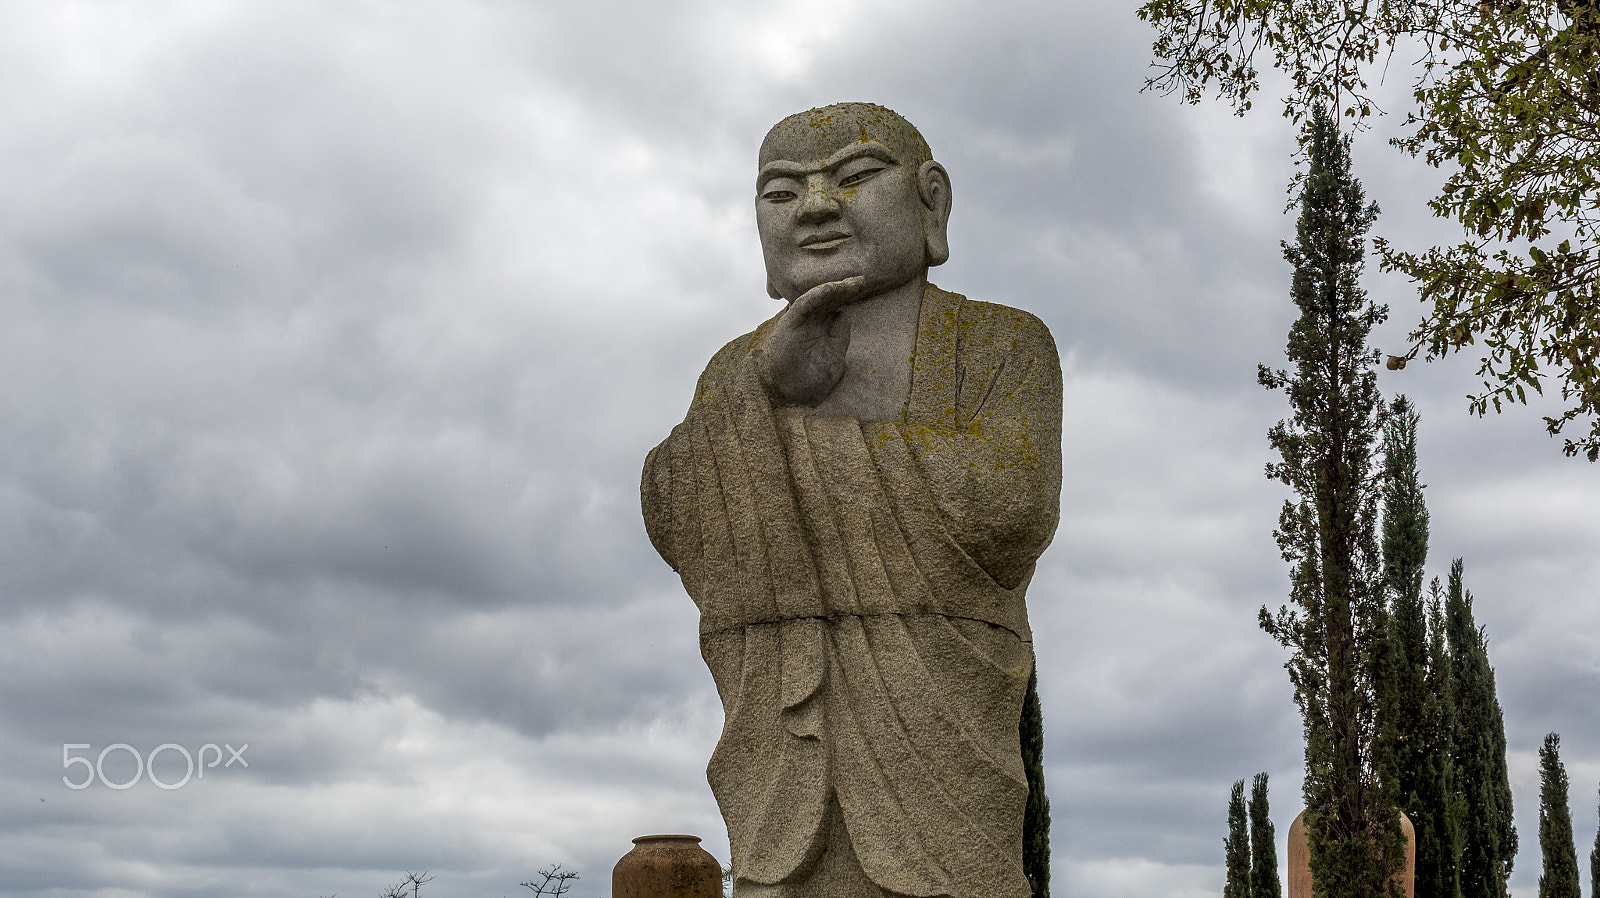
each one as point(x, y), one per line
point(841, 201)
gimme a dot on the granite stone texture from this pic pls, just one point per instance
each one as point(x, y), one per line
point(855, 502)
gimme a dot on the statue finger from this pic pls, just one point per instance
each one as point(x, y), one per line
point(824, 300)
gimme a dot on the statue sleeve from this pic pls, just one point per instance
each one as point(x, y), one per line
point(719, 505)
point(673, 471)
point(990, 454)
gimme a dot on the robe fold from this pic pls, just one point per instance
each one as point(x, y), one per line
point(861, 594)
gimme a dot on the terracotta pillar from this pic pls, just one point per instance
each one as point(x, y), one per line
point(667, 867)
point(1299, 862)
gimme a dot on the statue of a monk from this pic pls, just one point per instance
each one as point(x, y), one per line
point(855, 502)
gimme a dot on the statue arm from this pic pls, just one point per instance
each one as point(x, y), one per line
point(669, 484)
point(996, 474)
point(655, 499)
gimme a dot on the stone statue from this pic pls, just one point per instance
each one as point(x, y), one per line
point(855, 502)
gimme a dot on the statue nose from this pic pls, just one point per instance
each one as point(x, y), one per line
point(818, 204)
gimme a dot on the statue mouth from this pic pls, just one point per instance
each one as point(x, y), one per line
point(825, 240)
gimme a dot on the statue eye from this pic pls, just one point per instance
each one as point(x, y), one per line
point(780, 190)
point(855, 178)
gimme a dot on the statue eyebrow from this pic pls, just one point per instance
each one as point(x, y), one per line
point(780, 168)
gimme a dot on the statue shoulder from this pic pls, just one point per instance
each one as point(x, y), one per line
point(726, 360)
point(991, 327)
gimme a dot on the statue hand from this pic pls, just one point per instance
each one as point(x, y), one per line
point(804, 356)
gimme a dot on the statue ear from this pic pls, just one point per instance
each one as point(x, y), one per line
point(933, 183)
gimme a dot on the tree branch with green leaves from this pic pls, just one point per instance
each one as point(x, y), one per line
point(1506, 98)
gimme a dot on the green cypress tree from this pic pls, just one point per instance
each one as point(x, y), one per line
point(1488, 836)
point(1236, 847)
point(1438, 823)
point(1594, 867)
point(1036, 814)
point(1560, 876)
point(1264, 881)
point(1411, 702)
point(1329, 535)
point(1403, 688)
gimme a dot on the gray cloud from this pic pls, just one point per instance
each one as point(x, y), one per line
point(336, 337)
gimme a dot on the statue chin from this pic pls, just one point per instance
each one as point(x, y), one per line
point(876, 282)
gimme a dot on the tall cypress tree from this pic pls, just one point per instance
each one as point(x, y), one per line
point(1560, 876)
point(1264, 881)
point(1442, 807)
point(1488, 836)
point(1036, 814)
point(1236, 847)
point(1329, 535)
point(1594, 867)
point(1411, 703)
point(1403, 688)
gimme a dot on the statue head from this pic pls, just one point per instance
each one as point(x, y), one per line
point(849, 190)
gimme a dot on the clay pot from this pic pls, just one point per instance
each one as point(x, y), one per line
point(667, 867)
point(1299, 861)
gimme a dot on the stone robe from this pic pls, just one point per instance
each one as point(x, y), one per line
point(861, 589)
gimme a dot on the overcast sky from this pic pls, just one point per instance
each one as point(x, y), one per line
point(335, 335)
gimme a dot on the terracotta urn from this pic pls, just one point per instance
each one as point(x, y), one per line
point(672, 866)
point(1299, 862)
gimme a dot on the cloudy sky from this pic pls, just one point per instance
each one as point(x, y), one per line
point(336, 333)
